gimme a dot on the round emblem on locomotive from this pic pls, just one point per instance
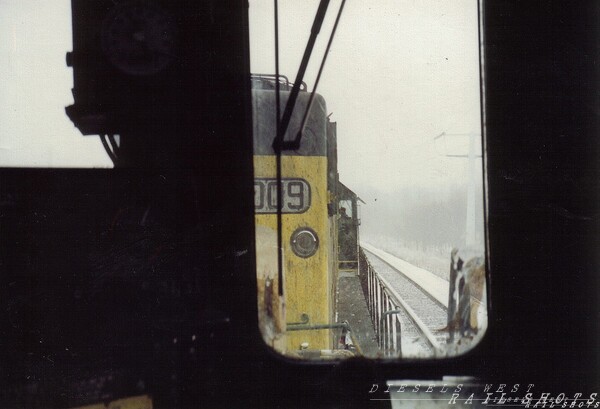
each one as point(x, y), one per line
point(305, 242)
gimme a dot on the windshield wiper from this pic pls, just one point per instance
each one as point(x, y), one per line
point(279, 144)
point(295, 144)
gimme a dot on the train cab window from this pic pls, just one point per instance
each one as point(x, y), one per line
point(379, 115)
point(345, 208)
point(36, 83)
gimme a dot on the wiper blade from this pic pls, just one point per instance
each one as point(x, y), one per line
point(296, 142)
point(279, 144)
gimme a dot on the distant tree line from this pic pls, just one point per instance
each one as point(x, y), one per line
point(420, 217)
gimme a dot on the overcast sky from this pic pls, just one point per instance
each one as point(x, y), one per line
point(399, 73)
point(35, 87)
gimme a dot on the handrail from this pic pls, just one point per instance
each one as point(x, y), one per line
point(384, 308)
point(283, 80)
point(383, 301)
point(346, 337)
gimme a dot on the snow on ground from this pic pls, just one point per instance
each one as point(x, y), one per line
point(433, 259)
point(436, 286)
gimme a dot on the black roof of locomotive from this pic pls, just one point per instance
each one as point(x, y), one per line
point(314, 140)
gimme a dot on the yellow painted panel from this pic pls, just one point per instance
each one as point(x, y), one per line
point(135, 402)
point(96, 406)
point(307, 281)
point(271, 307)
point(138, 402)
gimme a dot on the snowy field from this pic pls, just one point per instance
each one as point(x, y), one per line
point(436, 286)
point(435, 260)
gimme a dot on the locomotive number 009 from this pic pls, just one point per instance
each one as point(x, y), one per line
point(295, 195)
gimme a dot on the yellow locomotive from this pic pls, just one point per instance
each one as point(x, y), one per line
point(298, 313)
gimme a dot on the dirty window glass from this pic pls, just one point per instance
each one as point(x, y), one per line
point(35, 83)
point(394, 134)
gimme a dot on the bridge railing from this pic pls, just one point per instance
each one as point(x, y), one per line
point(384, 308)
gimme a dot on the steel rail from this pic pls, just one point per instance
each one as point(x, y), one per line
point(431, 339)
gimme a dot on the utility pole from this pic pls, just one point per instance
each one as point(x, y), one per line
point(470, 233)
point(470, 230)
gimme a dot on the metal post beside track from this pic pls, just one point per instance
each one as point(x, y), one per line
point(384, 309)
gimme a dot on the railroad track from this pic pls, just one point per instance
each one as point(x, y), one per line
point(423, 311)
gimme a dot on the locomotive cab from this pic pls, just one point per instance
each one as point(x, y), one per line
point(296, 295)
point(348, 222)
point(299, 294)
